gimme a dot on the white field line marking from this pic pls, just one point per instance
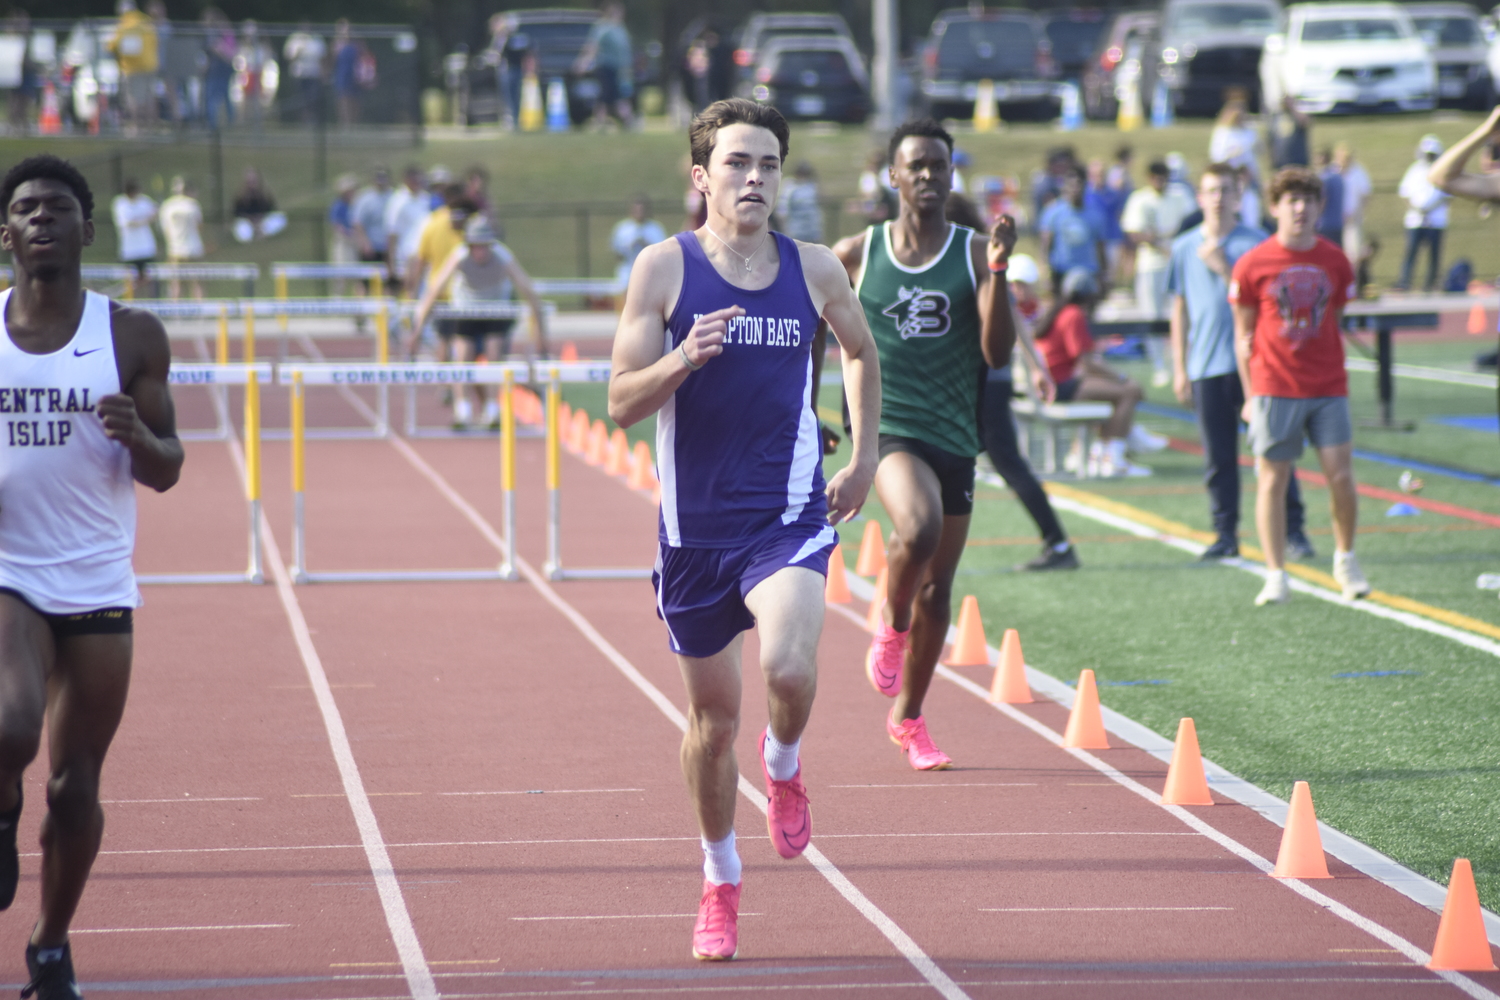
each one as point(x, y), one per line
point(550, 791)
point(132, 802)
point(1426, 373)
point(1097, 909)
point(418, 976)
point(631, 916)
point(903, 943)
point(164, 930)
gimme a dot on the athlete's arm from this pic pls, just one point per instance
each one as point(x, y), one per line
point(997, 321)
point(141, 417)
point(643, 375)
point(1031, 357)
point(430, 296)
point(1448, 175)
point(522, 281)
point(1178, 325)
point(1244, 344)
point(828, 282)
point(851, 253)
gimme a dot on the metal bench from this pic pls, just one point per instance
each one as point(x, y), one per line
point(1053, 418)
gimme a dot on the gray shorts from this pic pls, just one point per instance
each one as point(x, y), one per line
point(1278, 425)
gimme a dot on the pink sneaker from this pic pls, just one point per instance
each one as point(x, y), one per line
point(788, 815)
point(911, 735)
point(716, 935)
point(884, 661)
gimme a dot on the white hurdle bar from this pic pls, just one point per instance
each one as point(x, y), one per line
point(298, 376)
point(479, 310)
point(251, 376)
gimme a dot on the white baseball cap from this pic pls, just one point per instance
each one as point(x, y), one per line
point(1022, 267)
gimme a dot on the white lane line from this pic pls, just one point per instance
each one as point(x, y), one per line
point(166, 930)
point(413, 963)
point(903, 943)
point(551, 791)
point(951, 784)
point(124, 802)
point(631, 916)
point(1098, 909)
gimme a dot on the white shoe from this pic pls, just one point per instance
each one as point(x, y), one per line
point(463, 411)
point(491, 414)
point(1349, 576)
point(1161, 378)
point(1142, 440)
point(1275, 591)
point(1110, 468)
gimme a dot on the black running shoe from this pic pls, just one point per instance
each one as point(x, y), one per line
point(1225, 547)
point(1298, 546)
point(51, 980)
point(1052, 559)
point(10, 861)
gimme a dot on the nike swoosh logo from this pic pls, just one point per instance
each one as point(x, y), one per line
point(78, 354)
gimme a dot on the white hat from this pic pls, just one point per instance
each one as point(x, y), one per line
point(1430, 144)
point(1023, 267)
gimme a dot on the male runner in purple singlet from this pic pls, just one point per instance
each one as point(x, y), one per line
point(85, 413)
point(716, 339)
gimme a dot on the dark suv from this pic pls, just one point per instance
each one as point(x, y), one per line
point(1006, 46)
point(812, 77)
point(555, 37)
point(755, 33)
point(1210, 47)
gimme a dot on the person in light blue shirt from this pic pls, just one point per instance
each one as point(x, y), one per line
point(1072, 233)
point(1204, 369)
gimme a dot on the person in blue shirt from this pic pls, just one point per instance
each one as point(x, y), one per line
point(1109, 202)
point(1331, 222)
point(1204, 369)
point(1072, 233)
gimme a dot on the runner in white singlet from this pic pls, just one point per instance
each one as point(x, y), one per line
point(85, 413)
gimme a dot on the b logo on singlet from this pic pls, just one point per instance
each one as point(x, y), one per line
point(919, 312)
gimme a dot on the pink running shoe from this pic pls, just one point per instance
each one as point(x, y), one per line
point(884, 661)
point(716, 935)
point(911, 735)
point(788, 815)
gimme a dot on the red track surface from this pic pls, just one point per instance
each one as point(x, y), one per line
point(522, 783)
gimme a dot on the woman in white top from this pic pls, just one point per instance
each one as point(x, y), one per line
point(133, 214)
point(181, 221)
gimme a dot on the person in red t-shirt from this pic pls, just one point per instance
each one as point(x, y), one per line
point(1068, 349)
point(1288, 296)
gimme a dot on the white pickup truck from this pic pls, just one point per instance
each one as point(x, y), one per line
point(1349, 57)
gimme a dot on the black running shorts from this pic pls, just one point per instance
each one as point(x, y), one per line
point(955, 473)
point(104, 621)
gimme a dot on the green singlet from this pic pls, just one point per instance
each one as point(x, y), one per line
point(926, 326)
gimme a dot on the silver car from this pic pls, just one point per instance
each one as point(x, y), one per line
point(1459, 47)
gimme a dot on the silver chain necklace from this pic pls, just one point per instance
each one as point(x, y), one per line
point(736, 252)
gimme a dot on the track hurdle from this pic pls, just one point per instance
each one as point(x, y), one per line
point(556, 373)
point(298, 376)
point(251, 376)
point(578, 286)
point(283, 273)
point(248, 273)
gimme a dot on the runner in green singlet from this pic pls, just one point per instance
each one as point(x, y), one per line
point(937, 303)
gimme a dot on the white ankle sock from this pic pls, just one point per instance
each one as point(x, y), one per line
point(781, 758)
point(721, 861)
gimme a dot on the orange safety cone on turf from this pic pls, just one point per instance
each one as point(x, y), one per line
point(569, 352)
point(617, 455)
point(970, 649)
point(50, 122)
point(1085, 723)
point(642, 476)
point(594, 452)
point(871, 551)
point(836, 590)
point(877, 600)
point(1010, 687)
point(1462, 945)
point(1478, 324)
point(1301, 854)
point(1187, 784)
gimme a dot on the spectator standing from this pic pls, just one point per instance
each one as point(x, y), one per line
point(1357, 191)
point(343, 247)
point(405, 214)
point(1153, 216)
point(1205, 372)
point(1289, 295)
point(255, 214)
point(1331, 222)
point(304, 54)
point(1286, 136)
point(607, 54)
point(477, 190)
point(1072, 233)
point(172, 75)
point(1047, 183)
point(1426, 214)
point(1234, 141)
point(1110, 204)
point(507, 70)
point(219, 51)
point(21, 97)
point(346, 60)
point(799, 208)
point(371, 237)
point(181, 225)
point(632, 235)
point(134, 45)
point(134, 213)
point(697, 64)
point(252, 62)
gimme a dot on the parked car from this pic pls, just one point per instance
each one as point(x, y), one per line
point(1074, 33)
point(1461, 50)
point(1209, 48)
point(812, 77)
point(1126, 31)
point(555, 37)
point(1344, 57)
point(761, 28)
point(1005, 46)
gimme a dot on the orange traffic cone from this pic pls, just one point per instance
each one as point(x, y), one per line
point(877, 600)
point(528, 408)
point(50, 122)
point(594, 453)
point(1478, 324)
point(617, 456)
point(969, 650)
point(1085, 723)
point(1301, 854)
point(836, 590)
point(642, 476)
point(569, 352)
point(578, 434)
point(1462, 944)
point(1187, 785)
point(871, 551)
point(1010, 687)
